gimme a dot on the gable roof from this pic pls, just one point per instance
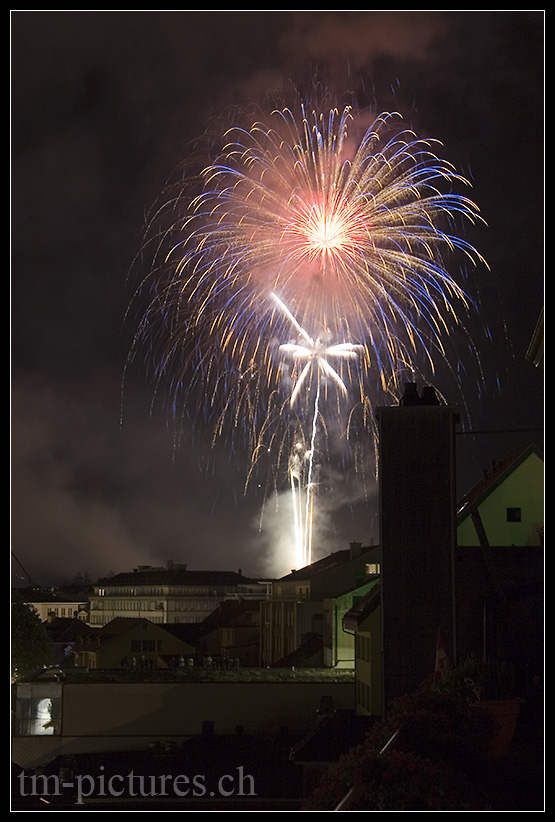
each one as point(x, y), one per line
point(185, 631)
point(116, 627)
point(491, 480)
point(122, 625)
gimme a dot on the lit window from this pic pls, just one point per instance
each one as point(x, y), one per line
point(38, 717)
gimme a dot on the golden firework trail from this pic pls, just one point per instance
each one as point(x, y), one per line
point(305, 222)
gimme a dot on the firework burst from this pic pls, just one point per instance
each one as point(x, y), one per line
point(310, 239)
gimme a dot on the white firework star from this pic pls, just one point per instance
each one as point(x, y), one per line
point(316, 352)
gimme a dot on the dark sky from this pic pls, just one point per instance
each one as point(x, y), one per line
point(103, 106)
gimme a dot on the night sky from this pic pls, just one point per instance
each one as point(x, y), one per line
point(104, 104)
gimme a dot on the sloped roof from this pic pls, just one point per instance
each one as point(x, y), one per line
point(492, 479)
point(322, 565)
point(122, 625)
point(227, 612)
point(176, 576)
point(186, 631)
point(308, 654)
point(333, 737)
point(66, 629)
point(56, 598)
point(364, 606)
point(116, 627)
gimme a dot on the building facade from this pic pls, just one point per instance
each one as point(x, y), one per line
point(506, 506)
point(338, 642)
point(131, 643)
point(231, 634)
point(54, 716)
point(294, 610)
point(166, 595)
point(363, 620)
point(494, 577)
point(50, 604)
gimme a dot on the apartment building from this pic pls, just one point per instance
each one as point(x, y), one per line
point(173, 594)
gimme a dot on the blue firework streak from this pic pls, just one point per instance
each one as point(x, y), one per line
point(349, 226)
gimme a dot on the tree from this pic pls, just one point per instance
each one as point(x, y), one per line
point(30, 643)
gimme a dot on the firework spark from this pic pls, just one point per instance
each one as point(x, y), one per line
point(316, 353)
point(349, 226)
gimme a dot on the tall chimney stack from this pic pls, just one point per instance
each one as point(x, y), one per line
point(417, 536)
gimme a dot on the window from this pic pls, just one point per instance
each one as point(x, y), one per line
point(146, 645)
point(38, 716)
point(513, 514)
point(362, 691)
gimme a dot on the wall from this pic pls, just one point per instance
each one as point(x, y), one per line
point(339, 645)
point(523, 489)
point(368, 683)
point(417, 538)
point(344, 577)
point(128, 716)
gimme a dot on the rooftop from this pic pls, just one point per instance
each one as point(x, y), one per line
point(148, 575)
point(185, 675)
point(491, 478)
point(328, 562)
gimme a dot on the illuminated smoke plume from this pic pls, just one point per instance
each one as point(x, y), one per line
point(298, 278)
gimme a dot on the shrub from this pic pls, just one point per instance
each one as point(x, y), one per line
point(432, 764)
point(400, 781)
